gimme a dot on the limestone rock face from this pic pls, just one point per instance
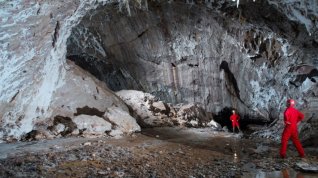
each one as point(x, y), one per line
point(151, 112)
point(242, 58)
point(83, 94)
point(212, 53)
point(84, 105)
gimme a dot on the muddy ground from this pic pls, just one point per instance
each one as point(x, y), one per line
point(162, 152)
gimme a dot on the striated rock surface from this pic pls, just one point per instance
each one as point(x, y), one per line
point(251, 58)
point(243, 58)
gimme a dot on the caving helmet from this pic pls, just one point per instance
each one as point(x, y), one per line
point(290, 102)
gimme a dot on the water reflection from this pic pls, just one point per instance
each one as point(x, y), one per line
point(286, 173)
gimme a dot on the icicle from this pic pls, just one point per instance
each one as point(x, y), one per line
point(237, 2)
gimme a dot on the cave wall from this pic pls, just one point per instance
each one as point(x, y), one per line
point(247, 58)
point(33, 68)
point(37, 83)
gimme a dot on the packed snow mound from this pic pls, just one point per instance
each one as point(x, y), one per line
point(151, 112)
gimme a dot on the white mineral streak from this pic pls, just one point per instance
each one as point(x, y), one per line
point(32, 95)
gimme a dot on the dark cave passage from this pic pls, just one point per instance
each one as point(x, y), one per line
point(105, 71)
point(223, 118)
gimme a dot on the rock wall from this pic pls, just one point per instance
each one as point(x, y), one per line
point(37, 85)
point(249, 58)
point(194, 51)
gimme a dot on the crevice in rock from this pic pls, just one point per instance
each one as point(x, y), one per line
point(301, 78)
point(69, 125)
point(142, 33)
point(38, 11)
point(56, 33)
point(193, 65)
point(89, 111)
point(230, 79)
point(30, 136)
point(256, 57)
point(139, 120)
point(13, 98)
point(114, 125)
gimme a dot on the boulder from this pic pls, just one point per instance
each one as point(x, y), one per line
point(122, 120)
point(306, 167)
point(194, 115)
point(92, 125)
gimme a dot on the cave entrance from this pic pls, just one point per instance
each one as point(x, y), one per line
point(247, 124)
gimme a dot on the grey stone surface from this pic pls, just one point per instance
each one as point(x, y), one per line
point(92, 125)
point(307, 167)
point(122, 120)
point(149, 115)
point(251, 58)
point(183, 53)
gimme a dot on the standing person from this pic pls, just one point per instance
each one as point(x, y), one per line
point(235, 118)
point(291, 117)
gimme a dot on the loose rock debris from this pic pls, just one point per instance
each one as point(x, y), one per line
point(175, 153)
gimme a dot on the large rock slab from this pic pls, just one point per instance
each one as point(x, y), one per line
point(92, 125)
point(122, 120)
point(307, 167)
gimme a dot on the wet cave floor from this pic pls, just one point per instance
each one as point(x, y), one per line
point(158, 152)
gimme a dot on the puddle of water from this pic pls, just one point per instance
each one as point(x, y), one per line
point(279, 174)
point(226, 143)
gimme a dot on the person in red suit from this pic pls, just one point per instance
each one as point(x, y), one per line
point(235, 118)
point(291, 117)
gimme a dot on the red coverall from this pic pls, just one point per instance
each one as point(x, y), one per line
point(291, 117)
point(234, 118)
